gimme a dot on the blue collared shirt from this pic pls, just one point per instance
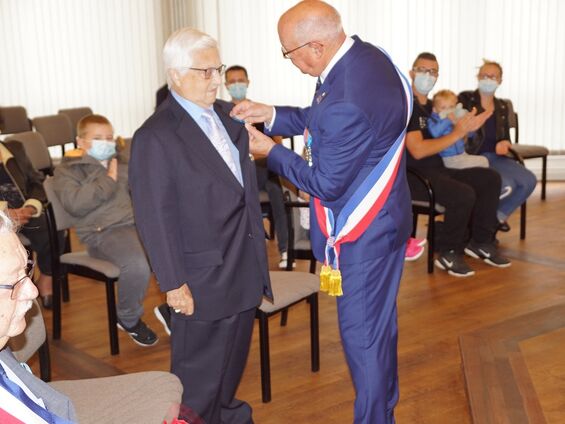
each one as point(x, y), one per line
point(195, 113)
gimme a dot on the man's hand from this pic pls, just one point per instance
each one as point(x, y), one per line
point(252, 112)
point(471, 122)
point(502, 147)
point(21, 215)
point(181, 300)
point(259, 144)
point(113, 169)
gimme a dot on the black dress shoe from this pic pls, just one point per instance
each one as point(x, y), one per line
point(504, 227)
point(47, 301)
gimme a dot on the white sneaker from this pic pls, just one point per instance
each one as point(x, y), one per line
point(284, 261)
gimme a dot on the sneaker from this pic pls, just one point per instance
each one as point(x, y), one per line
point(503, 226)
point(163, 314)
point(488, 253)
point(419, 242)
point(454, 264)
point(413, 249)
point(140, 333)
point(284, 261)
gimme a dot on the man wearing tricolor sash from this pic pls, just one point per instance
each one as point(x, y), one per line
point(355, 172)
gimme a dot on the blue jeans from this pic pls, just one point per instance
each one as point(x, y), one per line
point(522, 181)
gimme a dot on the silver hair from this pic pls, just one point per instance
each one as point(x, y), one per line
point(180, 48)
point(6, 224)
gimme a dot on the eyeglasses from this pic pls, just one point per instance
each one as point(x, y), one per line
point(422, 70)
point(210, 72)
point(488, 76)
point(18, 284)
point(286, 54)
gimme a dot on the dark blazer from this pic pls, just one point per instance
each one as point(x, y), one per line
point(355, 117)
point(197, 223)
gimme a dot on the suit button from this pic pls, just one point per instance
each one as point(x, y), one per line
point(250, 235)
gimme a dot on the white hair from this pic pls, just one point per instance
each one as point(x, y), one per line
point(6, 224)
point(180, 48)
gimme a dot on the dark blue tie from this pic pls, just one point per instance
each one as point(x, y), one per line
point(18, 392)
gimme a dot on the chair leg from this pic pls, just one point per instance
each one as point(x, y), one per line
point(543, 176)
point(314, 333)
point(312, 266)
point(414, 223)
point(56, 305)
point(265, 361)
point(431, 242)
point(523, 221)
point(112, 317)
point(65, 288)
point(284, 317)
point(44, 362)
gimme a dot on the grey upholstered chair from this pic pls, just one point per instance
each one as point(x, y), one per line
point(299, 246)
point(36, 150)
point(75, 115)
point(57, 130)
point(78, 263)
point(14, 119)
point(289, 288)
point(144, 397)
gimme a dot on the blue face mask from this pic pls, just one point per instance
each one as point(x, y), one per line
point(238, 90)
point(488, 86)
point(102, 149)
point(424, 83)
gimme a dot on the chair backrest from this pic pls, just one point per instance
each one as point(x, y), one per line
point(35, 148)
point(75, 115)
point(123, 145)
point(62, 218)
point(26, 344)
point(56, 129)
point(299, 233)
point(512, 121)
point(13, 119)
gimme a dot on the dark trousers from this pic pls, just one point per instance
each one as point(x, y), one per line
point(470, 197)
point(369, 332)
point(269, 182)
point(36, 232)
point(209, 358)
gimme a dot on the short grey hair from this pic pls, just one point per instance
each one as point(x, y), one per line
point(6, 224)
point(180, 47)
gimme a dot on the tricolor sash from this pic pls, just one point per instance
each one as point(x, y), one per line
point(362, 207)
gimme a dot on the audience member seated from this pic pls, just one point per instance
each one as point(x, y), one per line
point(93, 187)
point(470, 196)
point(22, 197)
point(237, 81)
point(492, 140)
point(24, 398)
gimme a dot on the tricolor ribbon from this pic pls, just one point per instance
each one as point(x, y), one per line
point(362, 207)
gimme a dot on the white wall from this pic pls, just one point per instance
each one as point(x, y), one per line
point(106, 53)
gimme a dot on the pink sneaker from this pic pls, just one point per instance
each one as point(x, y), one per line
point(417, 241)
point(413, 249)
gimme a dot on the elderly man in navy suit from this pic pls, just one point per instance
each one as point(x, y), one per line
point(196, 205)
point(354, 132)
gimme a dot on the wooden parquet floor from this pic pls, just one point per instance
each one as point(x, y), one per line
point(435, 311)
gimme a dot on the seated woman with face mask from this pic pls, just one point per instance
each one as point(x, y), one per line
point(492, 140)
point(93, 187)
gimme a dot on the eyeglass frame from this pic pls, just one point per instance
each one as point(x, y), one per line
point(208, 72)
point(286, 54)
point(14, 286)
point(422, 70)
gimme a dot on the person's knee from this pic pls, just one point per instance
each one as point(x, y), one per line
point(137, 268)
point(531, 182)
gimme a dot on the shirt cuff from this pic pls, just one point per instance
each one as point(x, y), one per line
point(269, 126)
point(35, 204)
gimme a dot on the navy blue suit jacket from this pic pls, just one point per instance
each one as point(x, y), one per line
point(197, 223)
point(355, 117)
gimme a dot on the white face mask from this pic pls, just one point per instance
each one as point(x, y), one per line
point(102, 149)
point(424, 82)
point(488, 86)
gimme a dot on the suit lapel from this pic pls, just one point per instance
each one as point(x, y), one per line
point(200, 144)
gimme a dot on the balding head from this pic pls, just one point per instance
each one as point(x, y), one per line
point(316, 26)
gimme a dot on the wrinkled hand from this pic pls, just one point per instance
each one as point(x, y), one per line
point(502, 147)
point(252, 112)
point(21, 216)
point(113, 169)
point(259, 144)
point(181, 300)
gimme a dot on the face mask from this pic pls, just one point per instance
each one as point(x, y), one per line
point(238, 90)
point(458, 111)
point(424, 83)
point(102, 149)
point(488, 86)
